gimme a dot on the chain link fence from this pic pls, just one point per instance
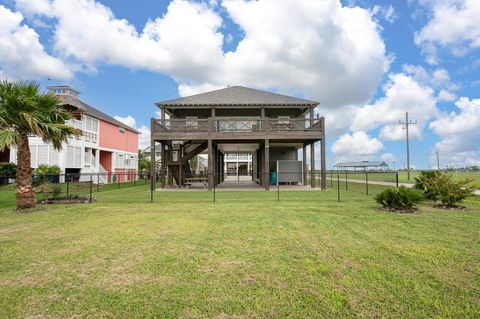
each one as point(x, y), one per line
point(362, 182)
point(71, 186)
point(282, 186)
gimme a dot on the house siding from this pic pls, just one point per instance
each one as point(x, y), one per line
point(112, 138)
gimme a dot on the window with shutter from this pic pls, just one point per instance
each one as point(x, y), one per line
point(70, 155)
point(88, 123)
point(42, 154)
point(95, 125)
point(53, 156)
point(78, 157)
point(33, 156)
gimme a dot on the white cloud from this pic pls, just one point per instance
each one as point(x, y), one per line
point(34, 7)
point(388, 157)
point(460, 133)
point(22, 56)
point(446, 96)
point(127, 120)
point(144, 137)
point(402, 94)
point(184, 43)
point(453, 25)
point(356, 146)
point(439, 78)
point(328, 52)
point(387, 12)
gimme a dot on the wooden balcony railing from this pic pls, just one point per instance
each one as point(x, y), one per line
point(238, 125)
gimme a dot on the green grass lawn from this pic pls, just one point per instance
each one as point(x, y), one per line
point(245, 256)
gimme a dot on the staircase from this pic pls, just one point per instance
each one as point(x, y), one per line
point(190, 150)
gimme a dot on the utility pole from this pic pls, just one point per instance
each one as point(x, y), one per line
point(407, 123)
point(438, 161)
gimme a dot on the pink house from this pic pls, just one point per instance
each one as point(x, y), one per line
point(107, 146)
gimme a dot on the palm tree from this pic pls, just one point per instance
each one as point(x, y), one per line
point(25, 111)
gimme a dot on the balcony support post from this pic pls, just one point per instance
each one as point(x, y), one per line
point(266, 165)
point(305, 168)
point(163, 162)
point(312, 165)
point(152, 157)
point(210, 164)
point(180, 166)
point(322, 155)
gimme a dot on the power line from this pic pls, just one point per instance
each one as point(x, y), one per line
point(407, 123)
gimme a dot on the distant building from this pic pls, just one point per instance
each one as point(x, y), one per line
point(363, 165)
point(106, 145)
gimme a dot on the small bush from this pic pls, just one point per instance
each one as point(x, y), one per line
point(450, 192)
point(427, 182)
point(401, 198)
point(438, 186)
point(7, 170)
point(55, 190)
point(46, 173)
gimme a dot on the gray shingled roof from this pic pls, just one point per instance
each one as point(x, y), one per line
point(238, 96)
point(90, 110)
point(360, 164)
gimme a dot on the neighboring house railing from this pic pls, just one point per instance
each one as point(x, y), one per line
point(238, 125)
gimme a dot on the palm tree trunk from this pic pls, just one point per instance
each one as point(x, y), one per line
point(25, 196)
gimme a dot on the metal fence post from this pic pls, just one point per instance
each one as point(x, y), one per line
point(90, 197)
point(152, 184)
point(396, 177)
point(331, 178)
point(118, 181)
point(214, 192)
point(366, 181)
point(98, 182)
point(67, 184)
point(338, 187)
point(346, 180)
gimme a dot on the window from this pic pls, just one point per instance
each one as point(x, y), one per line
point(94, 125)
point(120, 161)
point(42, 154)
point(88, 123)
point(121, 130)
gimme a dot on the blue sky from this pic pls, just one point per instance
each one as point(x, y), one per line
point(367, 62)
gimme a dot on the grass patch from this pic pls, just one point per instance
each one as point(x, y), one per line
point(247, 255)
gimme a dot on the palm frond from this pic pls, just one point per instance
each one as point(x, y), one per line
point(8, 138)
point(25, 110)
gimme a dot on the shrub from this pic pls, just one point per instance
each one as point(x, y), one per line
point(401, 198)
point(427, 182)
point(450, 192)
point(55, 190)
point(437, 186)
point(7, 170)
point(45, 173)
point(47, 170)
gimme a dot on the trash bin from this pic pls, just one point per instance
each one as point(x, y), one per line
point(273, 178)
